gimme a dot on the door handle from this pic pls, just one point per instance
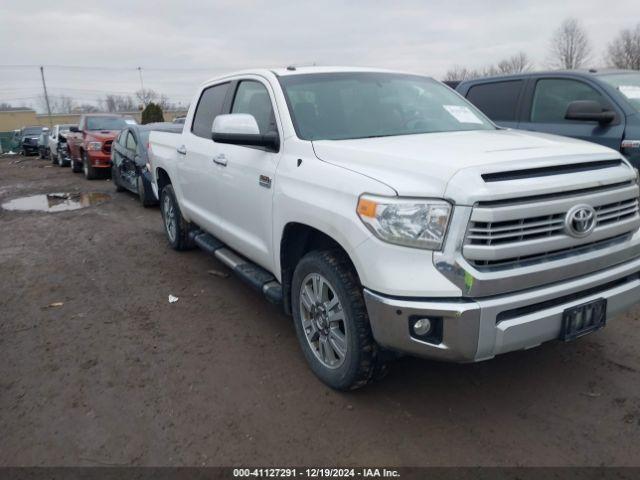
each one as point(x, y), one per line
point(220, 160)
point(182, 150)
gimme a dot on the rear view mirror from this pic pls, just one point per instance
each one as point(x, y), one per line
point(74, 129)
point(242, 129)
point(589, 110)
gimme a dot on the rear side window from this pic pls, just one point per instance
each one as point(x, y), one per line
point(499, 100)
point(553, 95)
point(131, 142)
point(252, 98)
point(209, 106)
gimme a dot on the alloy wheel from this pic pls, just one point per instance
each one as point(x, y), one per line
point(323, 320)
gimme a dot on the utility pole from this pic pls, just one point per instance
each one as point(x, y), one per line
point(142, 86)
point(46, 95)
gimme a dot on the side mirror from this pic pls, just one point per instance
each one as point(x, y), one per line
point(590, 111)
point(242, 129)
point(74, 129)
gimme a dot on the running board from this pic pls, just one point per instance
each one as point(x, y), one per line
point(254, 275)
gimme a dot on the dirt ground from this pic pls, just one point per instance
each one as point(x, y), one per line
point(117, 375)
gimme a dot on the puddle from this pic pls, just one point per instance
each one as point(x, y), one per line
point(56, 202)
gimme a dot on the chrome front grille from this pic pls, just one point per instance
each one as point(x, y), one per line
point(509, 235)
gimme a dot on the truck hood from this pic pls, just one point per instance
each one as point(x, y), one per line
point(101, 135)
point(422, 165)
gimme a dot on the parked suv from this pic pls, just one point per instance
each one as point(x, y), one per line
point(29, 139)
point(598, 106)
point(90, 142)
point(388, 214)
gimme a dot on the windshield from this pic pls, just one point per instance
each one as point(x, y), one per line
point(65, 128)
point(628, 84)
point(338, 106)
point(32, 131)
point(105, 123)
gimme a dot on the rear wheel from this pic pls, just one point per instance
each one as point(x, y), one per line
point(115, 179)
point(332, 323)
point(175, 226)
point(90, 173)
point(142, 194)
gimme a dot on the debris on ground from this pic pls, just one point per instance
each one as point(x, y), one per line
point(55, 305)
point(218, 273)
point(173, 299)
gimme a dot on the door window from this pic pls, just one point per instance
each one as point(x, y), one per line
point(209, 106)
point(252, 98)
point(553, 95)
point(497, 100)
point(131, 142)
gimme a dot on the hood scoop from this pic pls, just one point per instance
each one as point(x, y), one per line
point(550, 170)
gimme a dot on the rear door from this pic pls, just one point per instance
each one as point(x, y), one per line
point(129, 154)
point(197, 171)
point(498, 100)
point(246, 175)
point(547, 100)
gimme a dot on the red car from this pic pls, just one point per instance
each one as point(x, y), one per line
point(90, 142)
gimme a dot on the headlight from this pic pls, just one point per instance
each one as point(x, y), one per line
point(94, 146)
point(412, 222)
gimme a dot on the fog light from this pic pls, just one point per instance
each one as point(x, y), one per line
point(422, 326)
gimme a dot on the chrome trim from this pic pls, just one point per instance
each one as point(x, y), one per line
point(471, 332)
point(475, 283)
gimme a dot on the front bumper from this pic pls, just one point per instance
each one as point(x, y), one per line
point(99, 159)
point(479, 329)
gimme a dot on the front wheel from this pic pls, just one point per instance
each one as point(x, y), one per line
point(115, 178)
point(90, 173)
point(332, 323)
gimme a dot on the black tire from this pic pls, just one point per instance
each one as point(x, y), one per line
point(364, 361)
point(115, 180)
point(142, 194)
point(54, 158)
point(90, 173)
point(59, 160)
point(76, 167)
point(179, 240)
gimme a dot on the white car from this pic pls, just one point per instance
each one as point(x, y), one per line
point(58, 136)
point(387, 214)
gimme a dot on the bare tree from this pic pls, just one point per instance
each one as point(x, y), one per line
point(5, 106)
point(146, 96)
point(64, 104)
point(517, 63)
point(86, 108)
point(624, 51)
point(117, 103)
point(570, 47)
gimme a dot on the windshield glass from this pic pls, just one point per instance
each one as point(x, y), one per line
point(338, 106)
point(32, 131)
point(105, 123)
point(65, 128)
point(628, 84)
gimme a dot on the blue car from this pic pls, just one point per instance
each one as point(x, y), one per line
point(130, 160)
point(598, 106)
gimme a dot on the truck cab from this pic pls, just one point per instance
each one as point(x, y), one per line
point(597, 106)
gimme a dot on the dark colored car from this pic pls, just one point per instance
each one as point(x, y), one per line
point(29, 140)
point(598, 106)
point(43, 144)
point(130, 159)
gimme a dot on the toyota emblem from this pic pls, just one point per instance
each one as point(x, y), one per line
point(580, 221)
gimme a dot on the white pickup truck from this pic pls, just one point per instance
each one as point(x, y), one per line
point(387, 214)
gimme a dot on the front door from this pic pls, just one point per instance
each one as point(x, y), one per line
point(246, 176)
point(552, 96)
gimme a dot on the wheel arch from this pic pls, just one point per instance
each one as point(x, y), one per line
point(297, 240)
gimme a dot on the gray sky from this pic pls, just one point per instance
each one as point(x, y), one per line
point(179, 44)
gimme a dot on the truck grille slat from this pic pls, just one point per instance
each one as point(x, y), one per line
point(496, 233)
